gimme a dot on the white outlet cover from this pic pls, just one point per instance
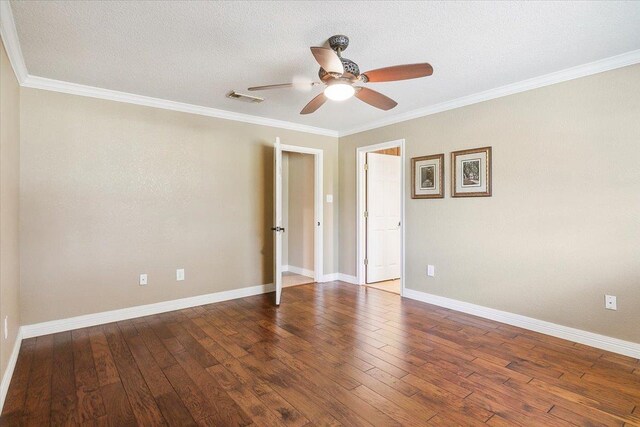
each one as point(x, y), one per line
point(329, 198)
point(610, 302)
point(143, 279)
point(180, 274)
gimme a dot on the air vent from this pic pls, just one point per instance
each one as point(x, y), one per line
point(244, 98)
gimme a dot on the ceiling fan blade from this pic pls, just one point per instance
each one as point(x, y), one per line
point(279, 86)
point(328, 59)
point(399, 72)
point(314, 104)
point(374, 98)
point(286, 85)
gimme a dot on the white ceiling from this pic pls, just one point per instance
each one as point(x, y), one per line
point(195, 52)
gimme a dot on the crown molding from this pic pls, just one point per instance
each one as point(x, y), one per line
point(14, 52)
point(130, 98)
point(12, 45)
point(11, 42)
point(611, 63)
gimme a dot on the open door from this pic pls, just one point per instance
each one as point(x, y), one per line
point(277, 218)
point(383, 215)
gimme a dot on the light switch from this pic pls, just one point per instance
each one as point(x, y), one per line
point(180, 274)
point(329, 198)
point(143, 279)
point(431, 271)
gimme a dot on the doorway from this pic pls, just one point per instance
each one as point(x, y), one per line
point(279, 228)
point(297, 218)
point(381, 216)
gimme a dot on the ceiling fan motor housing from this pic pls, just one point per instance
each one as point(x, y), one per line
point(350, 67)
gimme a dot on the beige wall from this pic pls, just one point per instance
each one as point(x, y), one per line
point(563, 225)
point(9, 207)
point(300, 215)
point(111, 190)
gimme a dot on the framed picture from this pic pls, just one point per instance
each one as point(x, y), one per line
point(471, 173)
point(428, 177)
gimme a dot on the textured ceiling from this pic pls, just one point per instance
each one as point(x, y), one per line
point(195, 52)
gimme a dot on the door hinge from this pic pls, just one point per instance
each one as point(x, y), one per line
point(366, 261)
point(366, 166)
point(366, 214)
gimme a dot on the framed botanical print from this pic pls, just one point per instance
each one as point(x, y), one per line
point(427, 174)
point(471, 173)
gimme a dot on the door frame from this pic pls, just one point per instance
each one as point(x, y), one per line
point(318, 207)
point(361, 155)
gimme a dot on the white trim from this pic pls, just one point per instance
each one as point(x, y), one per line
point(332, 277)
point(130, 98)
point(360, 203)
point(11, 42)
point(318, 206)
point(347, 278)
point(606, 64)
point(11, 365)
point(55, 326)
point(603, 342)
point(298, 270)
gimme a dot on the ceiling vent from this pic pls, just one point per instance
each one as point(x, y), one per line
point(244, 98)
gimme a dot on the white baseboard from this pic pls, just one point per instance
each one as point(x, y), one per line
point(298, 270)
point(8, 373)
point(61, 325)
point(329, 277)
point(603, 342)
point(347, 278)
point(68, 324)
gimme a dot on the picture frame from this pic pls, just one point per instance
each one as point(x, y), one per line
point(427, 177)
point(471, 173)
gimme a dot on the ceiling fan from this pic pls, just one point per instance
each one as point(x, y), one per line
point(340, 74)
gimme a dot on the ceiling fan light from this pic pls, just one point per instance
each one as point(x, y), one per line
point(339, 91)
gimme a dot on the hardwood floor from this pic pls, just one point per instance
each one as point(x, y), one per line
point(387, 285)
point(331, 354)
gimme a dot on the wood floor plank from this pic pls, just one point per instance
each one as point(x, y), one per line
point(90, 404)
point(225, 409)
point(174, 412)
point(285, 412)
point(144, 407)
point(37, 407)
point(14, 403)
point(329, 355)
point(105, 366)
point(117, 407)
point(63, 385)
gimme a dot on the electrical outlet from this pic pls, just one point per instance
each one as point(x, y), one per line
point(610, 302)
point(180, 274)
point(6, 327)
point(143, 279)
point(431, 271)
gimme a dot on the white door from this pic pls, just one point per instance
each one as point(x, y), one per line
point(383, 217)
point(277, 218)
